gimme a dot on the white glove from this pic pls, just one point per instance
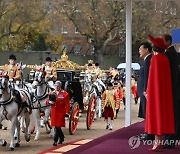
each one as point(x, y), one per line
point(51, 76)
point(51, 102)
point(11, 80)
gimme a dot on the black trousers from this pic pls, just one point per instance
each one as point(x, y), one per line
point(58, 134)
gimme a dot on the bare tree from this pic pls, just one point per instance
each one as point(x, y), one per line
point(98, 20)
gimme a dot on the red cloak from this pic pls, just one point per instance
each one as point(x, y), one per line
point(159, 108)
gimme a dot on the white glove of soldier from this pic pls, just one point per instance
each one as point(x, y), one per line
point(11, 80)
point(51, 76)
point(51, 102)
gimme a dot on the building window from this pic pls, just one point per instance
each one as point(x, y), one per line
point(64, 30)
point(76, 31)
point(77, 48)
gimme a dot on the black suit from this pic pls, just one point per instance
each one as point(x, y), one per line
point(177, 104)
point(173, 60)
point(142, 85)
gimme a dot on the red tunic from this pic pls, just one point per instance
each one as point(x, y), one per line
point(159, 108)
point(59, 109)
point(134, 91)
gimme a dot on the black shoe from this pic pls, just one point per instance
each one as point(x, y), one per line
point(4, 128)
point(166, 146)
point(60, 141)
point(107, 127)
point(145, 137)
point(55, 144)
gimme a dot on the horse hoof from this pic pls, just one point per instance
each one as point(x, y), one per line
point(36, 139)
point(4, 144)
point(15, 138)
point(28, 139)
point(11, 149)
point(32, 130)
point(17, 145)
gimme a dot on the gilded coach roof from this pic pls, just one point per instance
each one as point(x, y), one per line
point(64, 63)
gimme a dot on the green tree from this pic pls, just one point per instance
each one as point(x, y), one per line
point(26, 25)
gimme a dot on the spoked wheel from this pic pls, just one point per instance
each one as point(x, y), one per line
point(74, 118)
point(91, 111)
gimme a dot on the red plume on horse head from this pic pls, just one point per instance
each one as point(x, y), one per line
point(4, 75)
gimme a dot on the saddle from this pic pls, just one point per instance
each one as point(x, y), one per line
point(21, 105)
point(17, 97)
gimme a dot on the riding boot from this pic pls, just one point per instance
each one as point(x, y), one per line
point(17, 97)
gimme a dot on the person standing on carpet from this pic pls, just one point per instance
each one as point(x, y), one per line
point(172, 55)
point(159, 108)
point(145, 50)
point(60, 106)
point(110, 102)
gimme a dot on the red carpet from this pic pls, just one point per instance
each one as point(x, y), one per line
point(62, 148)
point(118, 142)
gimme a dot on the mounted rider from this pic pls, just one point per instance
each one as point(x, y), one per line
point(14, 72)
point(90, 69)
point(51, 74)
point(98, 73)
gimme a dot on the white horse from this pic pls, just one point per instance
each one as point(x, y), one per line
point(99, 87)
point(87, 84)
point(10, 108)
point(93, 86)
point(41, 94)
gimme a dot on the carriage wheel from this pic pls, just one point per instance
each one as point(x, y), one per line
point(91, 111)
point(74, 118)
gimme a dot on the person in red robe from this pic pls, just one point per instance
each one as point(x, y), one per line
point(60, 106)
point(159, 109)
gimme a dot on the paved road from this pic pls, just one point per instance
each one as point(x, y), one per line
point(45, 142)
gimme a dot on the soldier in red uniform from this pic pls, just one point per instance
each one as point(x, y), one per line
point(59, 108)
point(110, 102)
point(117, 89)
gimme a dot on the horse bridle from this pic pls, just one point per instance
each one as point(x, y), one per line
point(9, 100)
point(42, 77)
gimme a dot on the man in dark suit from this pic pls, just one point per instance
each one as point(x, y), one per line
point(145, 50)
point(172, 55)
